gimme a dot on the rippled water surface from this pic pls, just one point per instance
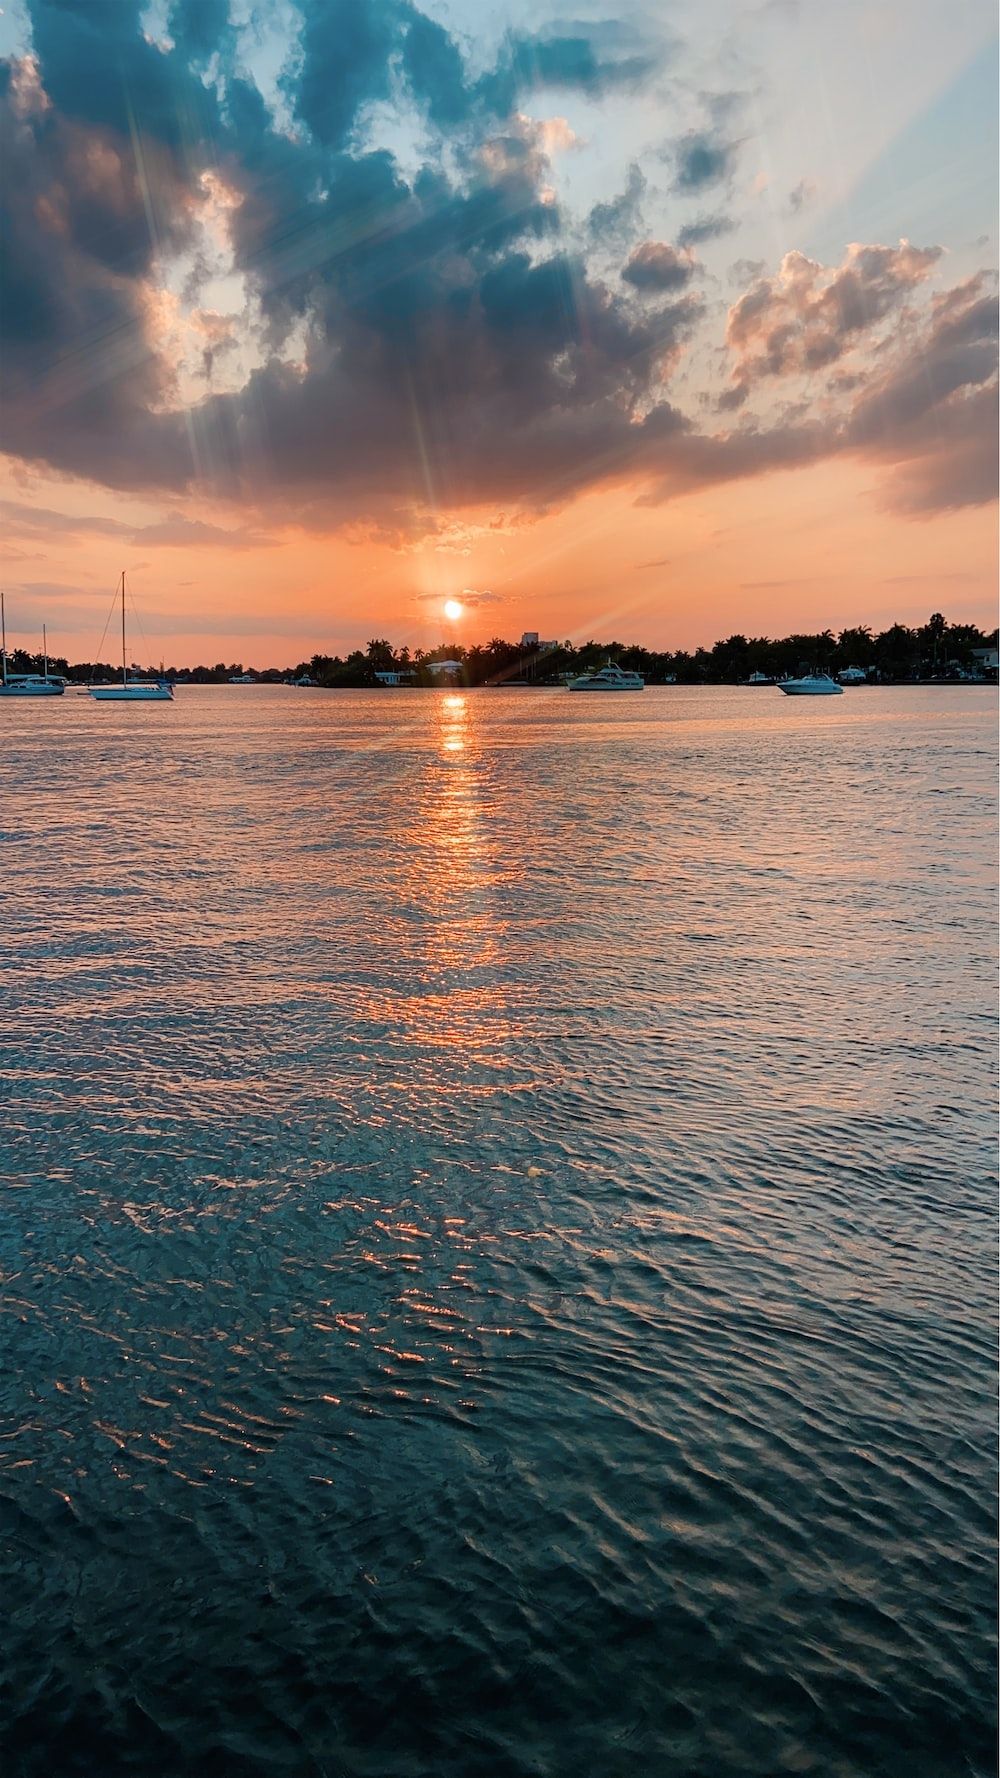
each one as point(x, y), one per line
point(497, 1235)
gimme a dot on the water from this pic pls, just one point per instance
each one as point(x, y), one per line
point(498, 1235)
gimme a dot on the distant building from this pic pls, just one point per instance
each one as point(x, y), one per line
point(393, 675)
point(986, 659)
point(530, 640)
point(445, 669)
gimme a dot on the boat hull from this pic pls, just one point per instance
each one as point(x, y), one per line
point(132, 694)
point(812, 691)
point(607, 688)
point(31, 691)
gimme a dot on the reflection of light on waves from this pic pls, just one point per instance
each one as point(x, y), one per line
point(462, 934)
point(448, 1032)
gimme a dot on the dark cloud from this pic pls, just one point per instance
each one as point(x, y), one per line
point(346, 48)
point(932, 413)
point(801, 196)
point(706, 228)
point(703, 159)
point(97, 66)
point(614, 222)
point(656, 265)
point(434, 68)
point(423, 340)
point(582, 61)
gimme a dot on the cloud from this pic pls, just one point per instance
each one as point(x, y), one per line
point(177, 532)
point(612, 223)
point(706, 228)
point(40, 521)
point(412, 341)
point(472, 597)
point(742, 269)
point(173, 531)
point(801, 196)
point(703, 159)
point(932, 412)
point(806, 318)
point(657, 266)
point(583, 61)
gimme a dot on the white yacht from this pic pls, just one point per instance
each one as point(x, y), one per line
point(811, 685)
point(132, 691)
point(27, 685)
point(610, 678)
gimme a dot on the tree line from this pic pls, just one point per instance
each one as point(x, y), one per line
point(934, 650)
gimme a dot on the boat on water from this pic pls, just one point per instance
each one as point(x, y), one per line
point(27, 685)
point(811, 685)
point(132, 691)
point(609, 678)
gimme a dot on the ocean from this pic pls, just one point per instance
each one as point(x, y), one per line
point(498, 1239)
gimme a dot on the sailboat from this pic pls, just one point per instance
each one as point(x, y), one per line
point(27, 685)
point(132, 691)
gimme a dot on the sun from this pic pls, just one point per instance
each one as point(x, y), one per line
point(453, 609)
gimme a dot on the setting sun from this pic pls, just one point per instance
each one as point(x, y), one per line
point(453, 609)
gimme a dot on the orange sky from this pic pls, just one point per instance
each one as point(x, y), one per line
point(806, 548)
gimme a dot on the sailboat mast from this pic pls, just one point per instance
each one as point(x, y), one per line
point(124, 662)
point(3, 631)
point(45, 652)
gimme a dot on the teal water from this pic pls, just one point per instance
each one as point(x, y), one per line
point(497, 1256)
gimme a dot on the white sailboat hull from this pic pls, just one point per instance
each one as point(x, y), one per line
point(132, 694)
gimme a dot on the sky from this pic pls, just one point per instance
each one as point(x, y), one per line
point(654, 322)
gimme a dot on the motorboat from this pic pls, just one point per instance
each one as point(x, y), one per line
point(811, 685)
point(27, 685)
point(132, 691)
point(852, 676)
point(609, 678)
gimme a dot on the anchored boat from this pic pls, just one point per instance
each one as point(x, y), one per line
point(610, 678)
point(811, 685)
point(132, 691)
point(27, 685)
